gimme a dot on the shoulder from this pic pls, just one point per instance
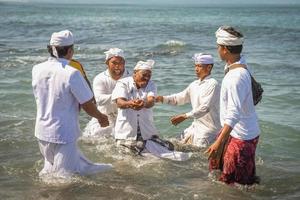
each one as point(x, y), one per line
point(213, 81)
point(101, 77)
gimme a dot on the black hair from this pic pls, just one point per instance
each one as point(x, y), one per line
point(61, 51)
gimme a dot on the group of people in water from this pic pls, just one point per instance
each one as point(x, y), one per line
point(120, 104)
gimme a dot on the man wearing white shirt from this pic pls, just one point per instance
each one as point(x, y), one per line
point(103, 85)
point(203, 94)
point(234, 150)
point(135, 130)
point(58, 90)
point(135, 96)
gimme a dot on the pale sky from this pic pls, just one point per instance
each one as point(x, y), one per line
point(237, 2)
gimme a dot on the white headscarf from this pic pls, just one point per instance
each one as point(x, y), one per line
point(200, 58)
point(62, 38)
point(148, 65)
point(114, 52)
point(227, 39)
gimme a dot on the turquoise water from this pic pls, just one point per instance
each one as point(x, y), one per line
point(169, 35)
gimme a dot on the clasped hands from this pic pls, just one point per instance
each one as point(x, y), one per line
point(136, 104)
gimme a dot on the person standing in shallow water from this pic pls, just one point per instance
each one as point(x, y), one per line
point(234, 150)
point(103, 85)
point(204, 95)
point(58, 89)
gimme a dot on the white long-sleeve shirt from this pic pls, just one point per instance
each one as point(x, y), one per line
point(204, 97)
point(236, 104)
point(103, 86)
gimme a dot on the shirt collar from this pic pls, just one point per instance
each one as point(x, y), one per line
point(242, 61)
point(204, 80)
point(63, 61)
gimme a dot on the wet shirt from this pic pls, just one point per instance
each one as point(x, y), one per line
point(204, 97)
point(58, 89)
point(128, 119)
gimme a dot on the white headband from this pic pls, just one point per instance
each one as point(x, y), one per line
point(114, 52)
point(200, 58)
point(62, 38)
point(227, 39)
point(148, 65)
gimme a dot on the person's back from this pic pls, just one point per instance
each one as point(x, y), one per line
point(59, 89)
point(57, 106)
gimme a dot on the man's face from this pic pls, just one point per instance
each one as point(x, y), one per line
point(116, 66)
point(202, 70)
point(141, 78)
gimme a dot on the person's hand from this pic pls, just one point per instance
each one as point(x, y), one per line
point(213, 149)
point(159, 99)
point(103, 120)
point(138, 104)
point(178, 119)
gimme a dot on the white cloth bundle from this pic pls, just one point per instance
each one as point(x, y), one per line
point(162, 152)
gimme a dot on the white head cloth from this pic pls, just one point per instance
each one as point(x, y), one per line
point(62, 38)
point(148, 65)
point(200, 58)
point(114, 52)
point(227, 39)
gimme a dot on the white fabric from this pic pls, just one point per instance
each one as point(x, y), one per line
point(227, 39)
point(236, 104)
point(103, 86)
point(127, 119)
point(62, 38)
point(141, 65)
point(114, 52)
point(58, 89)
point(63, 160)
point(204, 97)
point(200, 58)
point(162, 152)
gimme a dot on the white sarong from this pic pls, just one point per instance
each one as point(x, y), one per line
point(64, 160)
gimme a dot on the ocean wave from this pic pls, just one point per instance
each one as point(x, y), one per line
point(174, 43)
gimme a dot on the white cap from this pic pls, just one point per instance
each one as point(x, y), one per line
point(227, 39)
point(200, 58)
point(148, 65)
point(114, 52)
point(62, 38)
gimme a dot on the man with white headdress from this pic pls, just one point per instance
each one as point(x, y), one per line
point(59, 89)
point(233, 152)
point(203, 94)
point(134, 129)
point(103, 85)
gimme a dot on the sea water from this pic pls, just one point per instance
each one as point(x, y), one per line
point(170, 35)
